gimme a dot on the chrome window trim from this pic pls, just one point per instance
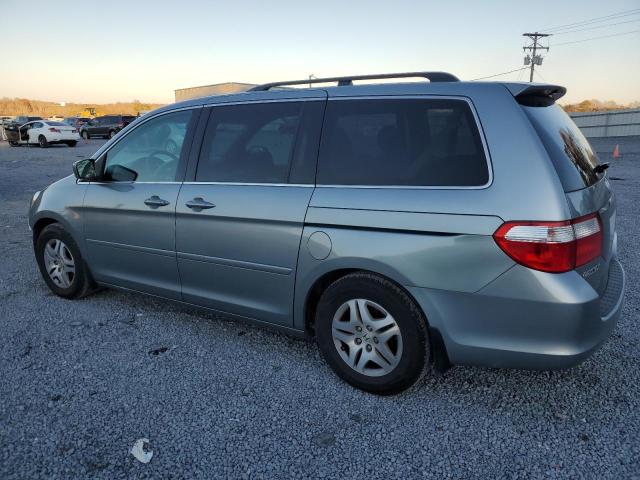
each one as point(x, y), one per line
point(483, 139)
point(247, 184)
point(277, 100)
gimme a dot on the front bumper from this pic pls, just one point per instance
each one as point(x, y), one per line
point(525, 319)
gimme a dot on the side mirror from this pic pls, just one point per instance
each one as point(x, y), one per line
point(85, 170)
point(118, 173)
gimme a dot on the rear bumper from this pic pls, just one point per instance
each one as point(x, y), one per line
point(525, 319)
point(64, 137)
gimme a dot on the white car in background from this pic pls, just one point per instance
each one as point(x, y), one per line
point(44, 133)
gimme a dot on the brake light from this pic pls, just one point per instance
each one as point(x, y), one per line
point(554, 247)
point(56, 130)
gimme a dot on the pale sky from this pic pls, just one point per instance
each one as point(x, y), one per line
point(119, 50)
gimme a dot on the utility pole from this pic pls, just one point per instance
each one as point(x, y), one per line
point(534, 59)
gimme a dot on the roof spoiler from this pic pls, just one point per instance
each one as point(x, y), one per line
point(538, 95)
point(348, 80)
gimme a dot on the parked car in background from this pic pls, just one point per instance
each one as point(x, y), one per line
point(43, 133)
point(399, 224)
point(21, 120)
point(76, 122)
point(56, 118)
point(106, 126)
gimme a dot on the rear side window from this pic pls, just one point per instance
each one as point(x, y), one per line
point(251, 143)
point(570, 152)
point(404, 142)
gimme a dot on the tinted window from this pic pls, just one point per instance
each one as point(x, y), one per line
point(153, 149)
point(249, 143)
point(57, 124)
point(570, 152)
point(401, 142)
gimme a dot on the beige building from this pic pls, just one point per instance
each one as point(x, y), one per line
point(215, 89)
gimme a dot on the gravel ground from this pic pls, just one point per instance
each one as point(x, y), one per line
point(81, 381)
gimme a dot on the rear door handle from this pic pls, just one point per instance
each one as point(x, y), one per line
point(155, 202)
point(199, 204)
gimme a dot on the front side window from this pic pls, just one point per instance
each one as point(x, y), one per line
point(404, 142)
point(152, 150)
point(251, 143)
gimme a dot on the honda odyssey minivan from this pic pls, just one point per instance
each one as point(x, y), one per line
point(401, 225)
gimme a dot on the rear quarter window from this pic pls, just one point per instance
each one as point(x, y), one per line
point(403, 142)
point(570, 152)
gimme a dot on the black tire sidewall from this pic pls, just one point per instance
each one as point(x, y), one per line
point(80, 278)
point(85, 135)
point(400, 306)
point(42, 141)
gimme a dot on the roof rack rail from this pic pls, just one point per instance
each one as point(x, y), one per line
point(348, 80)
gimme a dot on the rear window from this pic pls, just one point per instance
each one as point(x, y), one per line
point(570, 152)
point(404, 142)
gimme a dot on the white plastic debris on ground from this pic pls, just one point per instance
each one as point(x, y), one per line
point(142, 450)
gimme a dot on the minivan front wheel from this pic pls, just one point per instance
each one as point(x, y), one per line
point(61, 264)
point(372, 333)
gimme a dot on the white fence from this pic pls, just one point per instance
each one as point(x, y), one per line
point(610, 123)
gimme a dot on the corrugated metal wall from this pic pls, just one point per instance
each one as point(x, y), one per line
point(612, 123)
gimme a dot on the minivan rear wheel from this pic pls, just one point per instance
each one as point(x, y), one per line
point(372, 333)
point(61, 264)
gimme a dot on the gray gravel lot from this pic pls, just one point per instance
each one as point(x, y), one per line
point(81, 381)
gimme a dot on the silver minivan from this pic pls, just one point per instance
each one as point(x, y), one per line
point(401, 225)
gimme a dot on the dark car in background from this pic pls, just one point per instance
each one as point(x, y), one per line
point(106, 126)
point(21, 120)
point(76, 122)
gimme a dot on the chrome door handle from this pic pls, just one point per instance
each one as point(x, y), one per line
point(198, 204)
point(155, 202)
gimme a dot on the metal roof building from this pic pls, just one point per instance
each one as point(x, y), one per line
point(215, 89)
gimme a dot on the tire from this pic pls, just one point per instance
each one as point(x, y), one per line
point(14, 144)
point(80, 283)
point(72, 143)
point(409, 351)
point(42, 141)
point(112, 133)
point(84, 134)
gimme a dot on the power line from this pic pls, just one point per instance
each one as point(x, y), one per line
point(596, 38)
point(589, 21)
point(596, 26)
point(499, 74)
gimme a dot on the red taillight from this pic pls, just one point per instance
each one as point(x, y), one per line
point(552, 246)
point(56, 130)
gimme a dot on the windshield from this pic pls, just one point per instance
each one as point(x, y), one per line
point(570, 152)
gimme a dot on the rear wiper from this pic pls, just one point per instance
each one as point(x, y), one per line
point(601, 167)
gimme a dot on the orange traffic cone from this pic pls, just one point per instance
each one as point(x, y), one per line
point(616, 152)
